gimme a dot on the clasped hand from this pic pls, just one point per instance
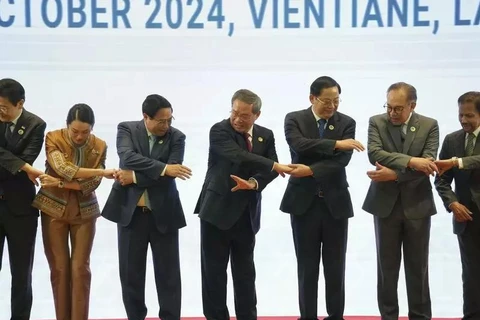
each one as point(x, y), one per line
point(382, 173)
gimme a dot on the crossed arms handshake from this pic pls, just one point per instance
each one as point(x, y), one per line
point(124, 177)
point(428, 166)
point(296, 170)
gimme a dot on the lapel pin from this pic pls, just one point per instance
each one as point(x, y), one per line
point(331, 127)
point(160, 142)
point(260, 139)
point(20, 132)
point(412, 129)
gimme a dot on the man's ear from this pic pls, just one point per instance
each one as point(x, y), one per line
point(257, 115)
point(20, 104)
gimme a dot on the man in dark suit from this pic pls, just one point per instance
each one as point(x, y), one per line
point(402, 145)
point(20, 144)
point(242, 161)
point(321, 141)
point(459, 148)
point(145, 203)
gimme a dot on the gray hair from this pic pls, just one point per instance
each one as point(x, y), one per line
point(248, 97)
point(408, 88)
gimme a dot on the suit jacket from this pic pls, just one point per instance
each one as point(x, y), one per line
point(60, 163)
point(228, 155)
point(471, 162)
point(467, 181)
point(23, 147)
point(385, 147)
point(327, 164)
point(133, 151)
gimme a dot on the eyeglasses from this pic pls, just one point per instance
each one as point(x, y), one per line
point(327, 102)
point(162, 122)
point(243, 117)
point(396, 109)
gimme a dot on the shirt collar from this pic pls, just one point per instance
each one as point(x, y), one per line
point(250, 131)
point(408, 120)
point(316, 116)
point(476, 132)
point(149, 134)
point(14, 121)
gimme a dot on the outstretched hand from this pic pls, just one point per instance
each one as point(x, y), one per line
point(242, 184)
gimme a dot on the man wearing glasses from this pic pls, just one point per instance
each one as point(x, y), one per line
point(145, 203)
point(321, 142)
point(242, 161)
point(402, 145)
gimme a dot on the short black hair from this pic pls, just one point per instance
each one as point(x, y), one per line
point(81, 112)
point(12, 90)
point(153, 103)
point(470, 97)
point(322, 83)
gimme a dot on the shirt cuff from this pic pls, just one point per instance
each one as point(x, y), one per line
point(134, 177)
point(460, 163)
point(256, 183)
point(164, 170)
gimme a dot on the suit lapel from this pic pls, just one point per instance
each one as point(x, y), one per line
point(311, 124)
point(476, 150)
point(142, 137)
point(158, 146)
point(2, 138)
point(395, 135)
point(19, 129)
point(459, 146)
point(257, 140)
point(412, 129)
point(238, 137)
point(330, 127)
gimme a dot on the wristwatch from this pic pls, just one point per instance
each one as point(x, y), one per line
point(254, 182)
point(455, 161)
point(61, 184)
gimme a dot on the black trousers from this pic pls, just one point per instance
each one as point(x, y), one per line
point(469, 243)
point(20, 232)
point(318, 233)
point(391, 234)
point(217, 247)
point(133, 244)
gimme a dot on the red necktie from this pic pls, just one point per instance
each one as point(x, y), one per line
point(247, 140)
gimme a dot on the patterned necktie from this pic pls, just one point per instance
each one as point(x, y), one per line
point(321, 126)
point(470, 145)
point(8, 130)
point(247, 136)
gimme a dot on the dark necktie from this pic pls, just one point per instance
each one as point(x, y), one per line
point(321, 126)
point(470, 146)
point(8, 130)
point(246, 135)
point(402, 134)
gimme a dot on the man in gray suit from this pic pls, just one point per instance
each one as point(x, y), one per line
point(460, 149)
point(402, 145)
